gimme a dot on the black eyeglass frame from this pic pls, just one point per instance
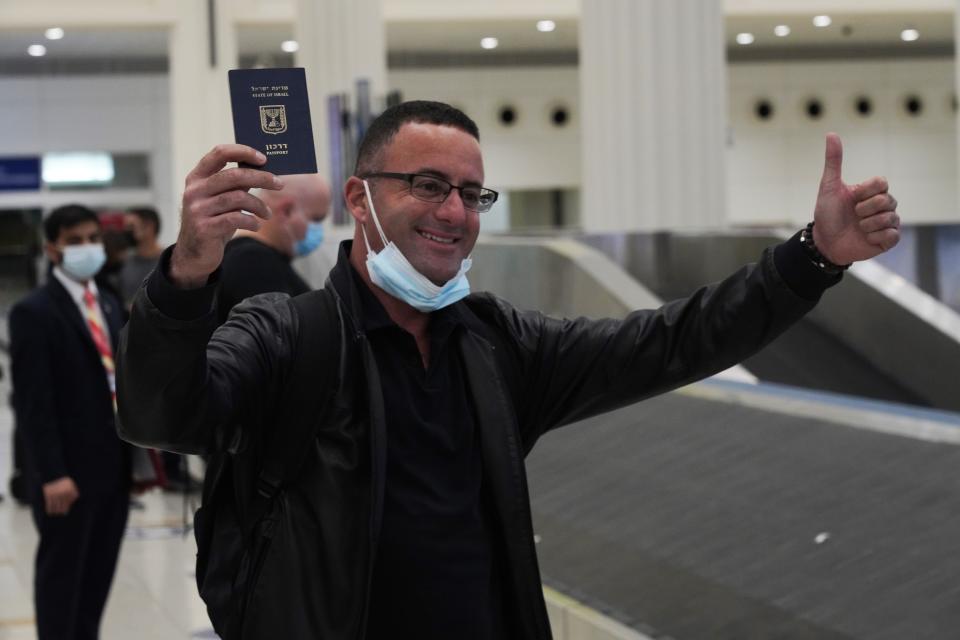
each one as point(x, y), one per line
point(409, 178)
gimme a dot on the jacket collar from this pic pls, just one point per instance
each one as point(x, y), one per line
point(64, 303)
point(342, 280)
point(74, 288)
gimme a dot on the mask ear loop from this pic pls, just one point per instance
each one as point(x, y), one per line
point(376, 221)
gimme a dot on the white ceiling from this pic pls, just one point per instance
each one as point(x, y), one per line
point(87, 43)
point(517, 35)
point(864, 29)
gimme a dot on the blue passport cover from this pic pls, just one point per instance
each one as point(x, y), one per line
point(271, 113)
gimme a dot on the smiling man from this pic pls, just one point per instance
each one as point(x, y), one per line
point(408, 514)
point(414, 259)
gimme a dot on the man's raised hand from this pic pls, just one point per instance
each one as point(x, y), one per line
point(214, 200)
point(853, 222)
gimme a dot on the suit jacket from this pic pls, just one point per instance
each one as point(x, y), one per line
point(61, 397)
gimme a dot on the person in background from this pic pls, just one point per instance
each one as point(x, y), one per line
point(115, 247)
point(141, 232)
point(259, 261)
point(62, 339)
point(142, 228)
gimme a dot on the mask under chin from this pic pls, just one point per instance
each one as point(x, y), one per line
point(390, 270)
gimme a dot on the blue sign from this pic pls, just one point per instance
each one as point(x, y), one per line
point(20, 173)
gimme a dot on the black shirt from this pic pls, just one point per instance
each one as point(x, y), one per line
point(249, 268)
point(433, 569)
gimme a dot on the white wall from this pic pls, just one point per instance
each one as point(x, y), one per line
point(773, 166)
point(532, 153)
point(90, 113)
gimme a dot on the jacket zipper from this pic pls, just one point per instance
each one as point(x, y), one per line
point(499, 422)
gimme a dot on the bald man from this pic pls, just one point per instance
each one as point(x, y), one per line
point(260, 261)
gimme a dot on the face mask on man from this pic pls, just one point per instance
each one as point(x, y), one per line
point(311, 241)
point(391, 271)
point(83, 261)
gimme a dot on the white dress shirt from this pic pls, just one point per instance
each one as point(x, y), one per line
point(76, 290)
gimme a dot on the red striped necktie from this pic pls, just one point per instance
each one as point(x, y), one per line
point(152, 474)
point(94, 322)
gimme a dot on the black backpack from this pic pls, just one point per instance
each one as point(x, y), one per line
point(229, 543)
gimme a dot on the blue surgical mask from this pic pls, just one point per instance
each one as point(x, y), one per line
point(391, 271)
point(311, 241)
point(83, 261)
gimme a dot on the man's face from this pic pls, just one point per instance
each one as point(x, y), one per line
point(134, 225)
point(316, 202)
point(83, 233)
point(304, 199)
point(434, 237)
point(140, 228)
point(296, 223)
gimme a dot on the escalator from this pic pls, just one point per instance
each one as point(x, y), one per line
point(858, 341)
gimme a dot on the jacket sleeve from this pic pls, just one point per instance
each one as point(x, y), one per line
point(185, 385)
point(31, 362)
point(574, 369)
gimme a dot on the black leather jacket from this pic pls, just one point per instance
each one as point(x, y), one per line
point(186, 386)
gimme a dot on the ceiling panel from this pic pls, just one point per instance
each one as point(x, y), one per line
point(870, 31)
point(846, 29)
point(464, 37)
point(90, 43)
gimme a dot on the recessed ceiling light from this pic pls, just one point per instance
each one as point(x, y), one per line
point(37, 50)
point(489, 43)
point(781, 30)
point(822, 21)
point(745, 38)
point(909, 35)
point(546, 26)
point(53, 33)
point(290, 46)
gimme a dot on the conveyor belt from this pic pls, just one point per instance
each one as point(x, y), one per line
point(696, 519)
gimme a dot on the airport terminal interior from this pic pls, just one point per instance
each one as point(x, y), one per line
point(641, 149)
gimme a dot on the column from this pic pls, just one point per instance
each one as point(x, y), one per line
point(956, 88)
point(200, 115)
point(340, 41)
point(653, 103)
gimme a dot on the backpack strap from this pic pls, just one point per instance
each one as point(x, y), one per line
point(313, 381)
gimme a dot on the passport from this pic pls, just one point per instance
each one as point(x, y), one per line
point(271, 113)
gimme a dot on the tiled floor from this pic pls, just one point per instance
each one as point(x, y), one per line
point(154, 596)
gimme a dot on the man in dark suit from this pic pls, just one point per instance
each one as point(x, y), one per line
point(62, 338)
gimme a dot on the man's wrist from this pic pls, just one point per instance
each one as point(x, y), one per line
point(182, 276)
point(799, 272)
point(808, 239)
point(177, 302)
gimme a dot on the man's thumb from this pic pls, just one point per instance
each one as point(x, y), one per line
point(833, 159)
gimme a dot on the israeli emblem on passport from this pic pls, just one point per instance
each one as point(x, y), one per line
point(273, 118)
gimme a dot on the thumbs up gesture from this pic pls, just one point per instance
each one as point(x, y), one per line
point(853, 222)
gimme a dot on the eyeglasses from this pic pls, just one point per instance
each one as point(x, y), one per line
point(434, 189)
